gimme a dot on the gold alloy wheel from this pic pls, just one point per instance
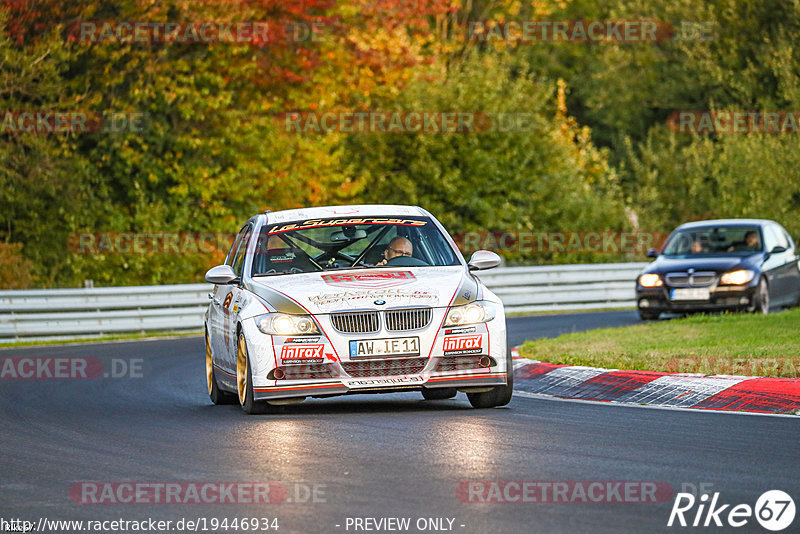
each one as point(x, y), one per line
point(241, 370)
point(209, 367)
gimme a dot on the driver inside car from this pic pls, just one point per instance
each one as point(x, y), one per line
point(397, 247)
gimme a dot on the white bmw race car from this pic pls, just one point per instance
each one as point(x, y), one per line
point(352, 299)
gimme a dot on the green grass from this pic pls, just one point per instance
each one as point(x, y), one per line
point(101, 339)
point(737, 344)
point(560, 312)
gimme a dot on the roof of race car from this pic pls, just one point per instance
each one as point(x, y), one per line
point(362, 210)
point(720, 222)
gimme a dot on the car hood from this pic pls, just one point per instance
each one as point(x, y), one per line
point(367, 289)
point(717, 264)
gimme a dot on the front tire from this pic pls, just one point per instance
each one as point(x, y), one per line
point(217, 395)
point(648, 315)
point(499, 395)
point(439, 393)
point(760, 299)
point(244, 382)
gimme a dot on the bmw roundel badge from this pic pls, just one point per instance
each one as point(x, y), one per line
point(380, 302)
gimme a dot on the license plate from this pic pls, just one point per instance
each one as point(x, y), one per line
point(396, 346)
point(691, 293)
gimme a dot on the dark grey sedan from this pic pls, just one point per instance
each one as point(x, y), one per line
point(726, 264)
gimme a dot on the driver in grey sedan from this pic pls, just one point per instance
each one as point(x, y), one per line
point(399, 246)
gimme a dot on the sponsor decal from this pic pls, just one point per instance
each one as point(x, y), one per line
point(302, 353)
point(346, 296)
point(228, 299)
point(314, 339)
point(317, 223)
point(370, 280)
point(462, 330)
point(385, 381)
point(282, 258)
point(456, 345)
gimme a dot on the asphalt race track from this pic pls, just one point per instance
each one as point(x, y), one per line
point(367, 456)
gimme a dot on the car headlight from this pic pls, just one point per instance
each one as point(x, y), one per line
point(737, 278)
point(650, 280)
point(480, 311)
point(283, 324)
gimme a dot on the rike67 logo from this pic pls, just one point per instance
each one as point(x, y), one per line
point(774, 510)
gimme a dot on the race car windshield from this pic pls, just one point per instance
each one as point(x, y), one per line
point(330, 244)
point(715, 241)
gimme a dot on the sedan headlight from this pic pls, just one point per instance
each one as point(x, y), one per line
point(737, 278)
point(480, 311)
point(650, 280)
point(282, 324)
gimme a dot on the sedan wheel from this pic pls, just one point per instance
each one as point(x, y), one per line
point(244, 382)
point(217, 395)
point(242, 368)
point(760, 299)
point(647, 315)
point(439, 393)
point(499, 395)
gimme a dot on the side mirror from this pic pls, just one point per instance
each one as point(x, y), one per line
point(483, 259)
point(221, 275)
point(652, 253)
point(777, 249)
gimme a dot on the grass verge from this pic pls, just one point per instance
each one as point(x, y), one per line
point(729, 344)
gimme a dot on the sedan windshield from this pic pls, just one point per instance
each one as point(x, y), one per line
point(715, 240)
point(330, 244)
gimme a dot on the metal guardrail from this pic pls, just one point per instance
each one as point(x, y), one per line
point(564, 287)
point(73, 313)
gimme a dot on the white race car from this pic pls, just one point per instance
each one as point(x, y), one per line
point(352, 299)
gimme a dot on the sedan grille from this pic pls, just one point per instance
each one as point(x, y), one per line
point(451, 363)
point(312, 371)
point(393, 367)
point(356, 322)
point(699, 279)
point(408, 319)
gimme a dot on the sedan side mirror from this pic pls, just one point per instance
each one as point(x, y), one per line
point(777, 249)
point(483, 259)
point(221, 275)
point(652, 253)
